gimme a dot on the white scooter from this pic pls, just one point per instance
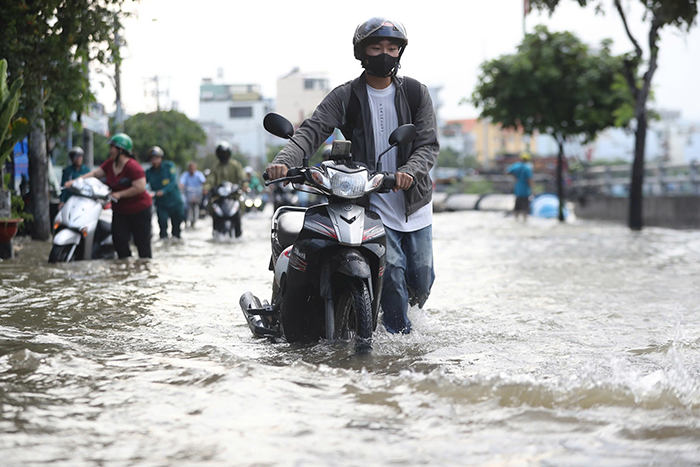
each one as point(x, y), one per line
point(83, 227)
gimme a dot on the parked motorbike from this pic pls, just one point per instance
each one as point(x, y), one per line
point(328, 260)
point(83, 228)
point(226, 209)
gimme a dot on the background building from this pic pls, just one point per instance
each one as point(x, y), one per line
point(235, 112)
point(299, 93)
point(484, 140)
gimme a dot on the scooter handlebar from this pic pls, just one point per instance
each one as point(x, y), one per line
point(294, 175)
point(388, 184)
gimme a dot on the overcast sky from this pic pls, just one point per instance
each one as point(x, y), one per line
point(182, 42)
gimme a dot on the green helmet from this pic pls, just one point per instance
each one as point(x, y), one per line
point(122, 141)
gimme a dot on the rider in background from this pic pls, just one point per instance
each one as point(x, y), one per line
point(73, 171)
point(253, 180)
point(192, 178)
point(131, 211)
point(162, 177)
point(226, 170)
point(191, 183)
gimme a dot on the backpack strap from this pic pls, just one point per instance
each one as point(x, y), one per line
point(413, 94)
point(352, 112)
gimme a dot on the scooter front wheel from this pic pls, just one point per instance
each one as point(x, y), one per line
point(353, 312)
point(62, 253)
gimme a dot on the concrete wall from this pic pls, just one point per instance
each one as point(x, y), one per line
point(678, 212)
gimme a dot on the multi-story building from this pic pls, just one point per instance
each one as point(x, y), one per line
point(298, 94)
point(236, 112)
point(485, 140)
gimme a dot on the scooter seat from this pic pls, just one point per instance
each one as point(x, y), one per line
point(289, 224)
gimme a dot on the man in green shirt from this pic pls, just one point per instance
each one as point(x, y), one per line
point(73, 171)
point(226, 170)
point(162, 177)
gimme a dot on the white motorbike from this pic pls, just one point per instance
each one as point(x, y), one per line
point(83, 227)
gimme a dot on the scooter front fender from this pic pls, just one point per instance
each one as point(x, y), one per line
point(66, 237)
point(350, 262)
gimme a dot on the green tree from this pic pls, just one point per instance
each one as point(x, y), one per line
point(49, 44)
point(554, 84)
point(659, 14)
point(176, 134)
point(448, 157)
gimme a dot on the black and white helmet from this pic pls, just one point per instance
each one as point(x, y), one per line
point(77, 151)
point(155, 151)
point(223, 151)
point(376, 29)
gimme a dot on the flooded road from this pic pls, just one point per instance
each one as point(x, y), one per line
point(541, 345)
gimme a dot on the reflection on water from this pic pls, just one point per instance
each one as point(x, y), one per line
point(542, 344)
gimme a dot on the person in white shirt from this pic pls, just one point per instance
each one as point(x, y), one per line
point(367, 110)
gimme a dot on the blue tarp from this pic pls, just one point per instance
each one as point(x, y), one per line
point(546, 205)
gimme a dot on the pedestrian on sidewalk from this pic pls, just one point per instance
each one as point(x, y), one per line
point(522, 170)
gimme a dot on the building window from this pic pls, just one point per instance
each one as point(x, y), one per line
point(314, 84)
point(240, 112)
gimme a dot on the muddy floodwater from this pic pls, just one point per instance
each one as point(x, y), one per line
point(541, 345)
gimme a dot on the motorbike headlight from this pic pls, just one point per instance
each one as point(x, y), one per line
point(257, 202)
point(87, 191)
point(249, 203)
point(349, 185)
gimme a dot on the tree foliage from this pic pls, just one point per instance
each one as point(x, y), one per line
point(49, 43)
point(659, 13)
point(556, 85)
point(176, 134)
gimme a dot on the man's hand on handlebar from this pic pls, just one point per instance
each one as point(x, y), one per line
point(275, 171)
point(403, 181)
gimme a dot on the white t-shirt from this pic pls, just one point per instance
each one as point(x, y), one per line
point(391, 206)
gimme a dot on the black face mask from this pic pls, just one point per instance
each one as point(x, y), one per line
point(381, 65)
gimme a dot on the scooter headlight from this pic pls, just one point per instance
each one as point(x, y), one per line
point(87, 191)
point(349, 186)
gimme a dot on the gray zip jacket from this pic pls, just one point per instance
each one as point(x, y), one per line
point(415, 159)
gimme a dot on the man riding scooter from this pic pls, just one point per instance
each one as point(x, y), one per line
point(227, 170)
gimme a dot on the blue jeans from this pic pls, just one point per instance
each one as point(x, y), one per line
point(408, 276)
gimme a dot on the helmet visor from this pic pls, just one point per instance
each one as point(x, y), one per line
point(380, 27)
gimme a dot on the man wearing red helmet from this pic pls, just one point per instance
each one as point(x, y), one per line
point(366, 110)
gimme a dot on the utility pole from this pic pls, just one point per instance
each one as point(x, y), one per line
point(88, 150)
point(157, 92)
point(118, 114)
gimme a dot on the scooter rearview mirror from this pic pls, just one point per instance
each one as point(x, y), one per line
point(283, 128)
point(403, 134)
point(278, 125)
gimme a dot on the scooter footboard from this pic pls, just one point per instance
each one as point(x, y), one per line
point(66, 237)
